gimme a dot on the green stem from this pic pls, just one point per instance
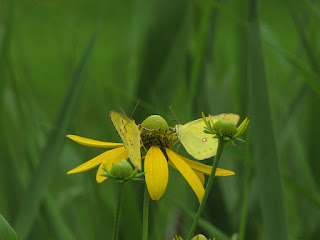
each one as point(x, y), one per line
point(244, 212)
point(221, 144)
point(117, 220)
point(145, 220)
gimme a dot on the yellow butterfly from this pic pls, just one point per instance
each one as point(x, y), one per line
point(130, 136)
point(199, 144)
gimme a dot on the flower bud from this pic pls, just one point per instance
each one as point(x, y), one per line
point(225, 128)
point(122, 169)
point(155, 131)
point(199, 237)
point(155, 122)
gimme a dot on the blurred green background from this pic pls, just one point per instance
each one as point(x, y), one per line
point(64, 65)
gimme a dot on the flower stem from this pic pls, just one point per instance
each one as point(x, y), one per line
point(221, 144)
point(145, 214)
point(244, 211)
point(117, 220)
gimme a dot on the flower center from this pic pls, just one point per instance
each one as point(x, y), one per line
point(225, 128)
point(155, 131)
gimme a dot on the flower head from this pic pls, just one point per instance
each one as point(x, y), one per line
point(158, 139)
point(122, 171)
point(224, 127)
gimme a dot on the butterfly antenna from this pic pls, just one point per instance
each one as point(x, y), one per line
point(135, 108)
point(144, 147)
point(122, 111)
point(175, 142)
point(174, 120)
point(174, 114)
point(150, 129)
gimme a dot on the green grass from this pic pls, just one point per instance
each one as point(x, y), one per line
point(59, 75)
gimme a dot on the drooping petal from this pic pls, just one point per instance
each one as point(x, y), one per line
point(200, 175)
point(156, 172)
point(99, 159)
point(187, 173)
point(206, 169)
point(93, 143)
point(220, 172)
point(109, 162)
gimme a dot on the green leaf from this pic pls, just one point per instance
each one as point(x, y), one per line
point(6, 231)
point(263, 145)
point(48, 158)
point(241, 140)
point(233, 143)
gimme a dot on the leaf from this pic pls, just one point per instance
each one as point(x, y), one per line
point(48, 158)
point(263, 145)
point(6, 231)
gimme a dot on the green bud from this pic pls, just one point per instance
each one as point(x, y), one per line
point(122, 169)
point(225, 128)
point(155, 122)
point(155, 131)
point(199, 237)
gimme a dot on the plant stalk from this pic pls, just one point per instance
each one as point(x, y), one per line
point(221, 144)
point(145, 220)
point(117, 220)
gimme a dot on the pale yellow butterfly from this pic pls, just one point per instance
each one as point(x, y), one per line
point(130, 136)
point(199, 144)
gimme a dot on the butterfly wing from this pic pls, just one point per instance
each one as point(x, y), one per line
point(130, 136)
point(199, 144)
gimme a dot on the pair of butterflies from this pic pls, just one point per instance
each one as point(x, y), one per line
point(198, 144)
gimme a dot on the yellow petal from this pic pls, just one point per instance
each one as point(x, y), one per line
point(200, 175)
point(156, 172)
point(93, 143)
point(224, 172)
point(99, 159)
point(187, 173)
point(206, 169)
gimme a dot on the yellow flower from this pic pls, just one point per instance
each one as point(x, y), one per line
point(156, 136)
point(158, 139)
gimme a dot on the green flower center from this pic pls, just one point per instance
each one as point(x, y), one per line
point(155, 131)
point(199, 237)
point(122, 169)
point(225, 128)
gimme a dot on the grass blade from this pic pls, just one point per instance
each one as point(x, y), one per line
point(204, 224)
point(310, 196)
point(6, 231)
point(5, 42)
point(32, 199)
point(264, 148)
point(200, 47)
point(309, 50)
